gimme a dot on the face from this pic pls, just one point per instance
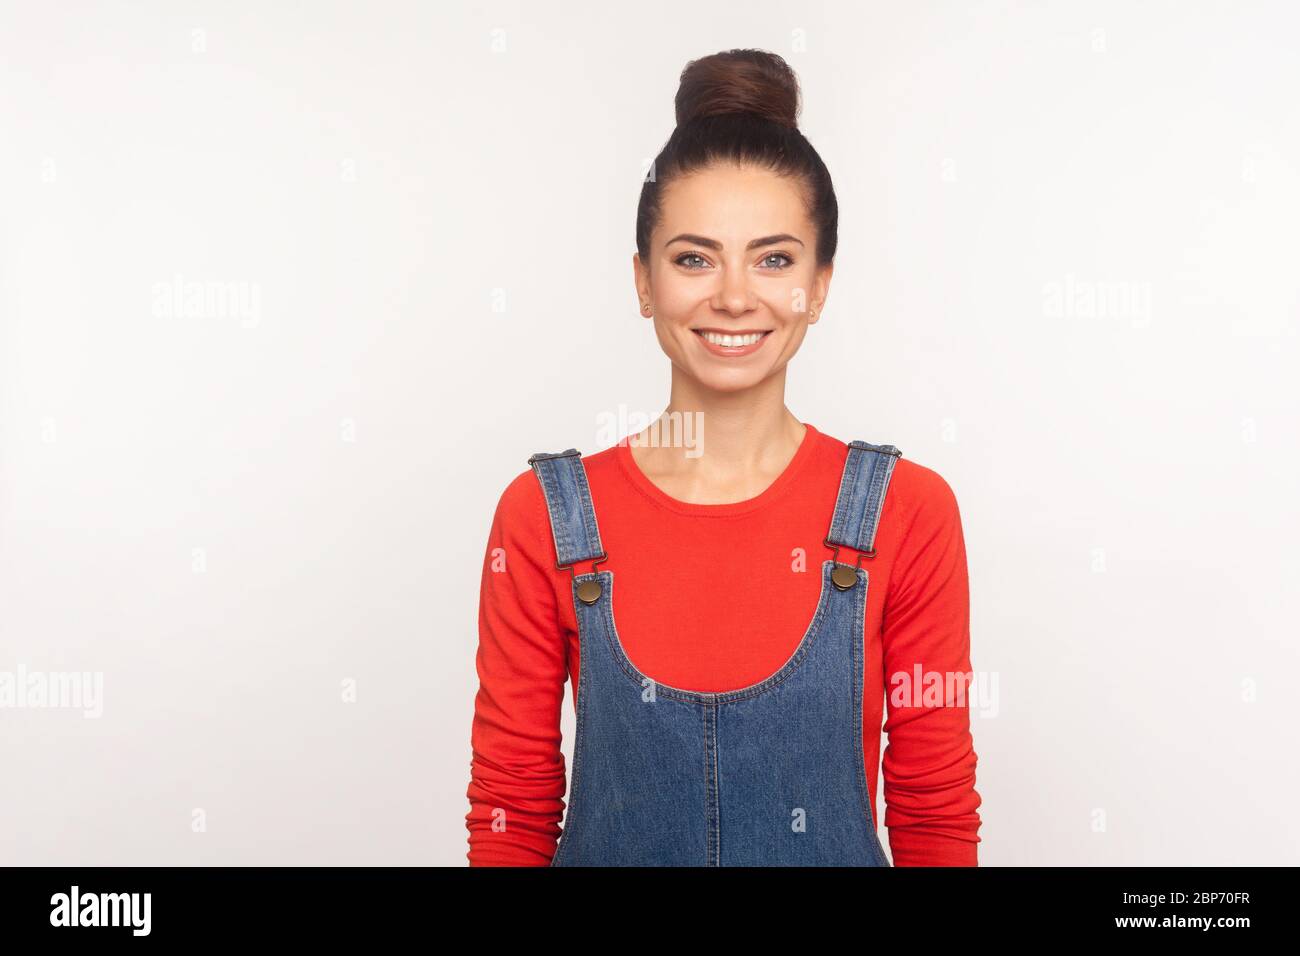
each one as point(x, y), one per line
point(732, 280)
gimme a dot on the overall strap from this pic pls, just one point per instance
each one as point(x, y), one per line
point(862, 496)
point(568, 500)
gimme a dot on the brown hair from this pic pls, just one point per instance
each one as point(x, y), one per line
point(740, 106)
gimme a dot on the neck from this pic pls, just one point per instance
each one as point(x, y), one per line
point(710, 444)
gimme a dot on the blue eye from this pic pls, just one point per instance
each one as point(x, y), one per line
point(685, 260)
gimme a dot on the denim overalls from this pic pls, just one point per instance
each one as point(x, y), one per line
point(768, 775)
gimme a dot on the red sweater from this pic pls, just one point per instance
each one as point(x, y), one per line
point(740, 582)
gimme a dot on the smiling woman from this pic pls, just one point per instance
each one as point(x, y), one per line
point(730, 287)
point(734, 721)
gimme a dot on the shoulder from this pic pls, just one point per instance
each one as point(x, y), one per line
point(524, 492)
point(520, 494)
point(521, 509)
point(922, 490)
point(920, 506)
point(923, 523)
point(915, 491)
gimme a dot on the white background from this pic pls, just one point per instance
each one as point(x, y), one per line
point(228, 514)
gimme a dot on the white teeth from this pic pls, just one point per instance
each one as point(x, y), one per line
point(732, 341)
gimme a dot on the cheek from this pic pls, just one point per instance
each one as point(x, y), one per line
point(797, 293)
point(786, 299)
point(674, 298)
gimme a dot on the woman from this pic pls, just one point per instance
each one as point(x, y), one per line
point(732, 715)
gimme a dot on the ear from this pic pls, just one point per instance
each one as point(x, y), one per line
point(641, 279)
point(821, 289)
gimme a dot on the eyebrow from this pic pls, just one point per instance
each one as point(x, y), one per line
point(714, 244)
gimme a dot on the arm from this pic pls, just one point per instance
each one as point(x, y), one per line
point(929, 763)
point(517, 778)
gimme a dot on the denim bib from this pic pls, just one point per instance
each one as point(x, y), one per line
point(767, 775)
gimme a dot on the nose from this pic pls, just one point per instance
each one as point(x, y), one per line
point(734, 295)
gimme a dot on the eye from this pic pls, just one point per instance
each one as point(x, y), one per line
point(689, 255)
point(779, 255)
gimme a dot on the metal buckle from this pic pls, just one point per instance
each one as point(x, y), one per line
point(588, 591)
point(841, 576)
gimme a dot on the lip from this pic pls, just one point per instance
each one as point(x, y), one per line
point(736, 352)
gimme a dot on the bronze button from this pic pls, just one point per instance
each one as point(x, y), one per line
point(589, 592)
point(844, 576)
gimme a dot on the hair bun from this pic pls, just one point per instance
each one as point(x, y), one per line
point(739, 81)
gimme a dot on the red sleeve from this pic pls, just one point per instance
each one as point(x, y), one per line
point(929, 762)
point(517, 778)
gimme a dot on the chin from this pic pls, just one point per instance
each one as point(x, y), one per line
point(735, 382)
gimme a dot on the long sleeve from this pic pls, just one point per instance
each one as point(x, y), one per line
point(517, 776)
point(929, 763)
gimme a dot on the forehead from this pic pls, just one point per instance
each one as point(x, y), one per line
point(740, 202)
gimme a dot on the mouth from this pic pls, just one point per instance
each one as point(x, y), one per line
point(731, 344)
